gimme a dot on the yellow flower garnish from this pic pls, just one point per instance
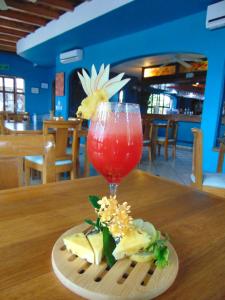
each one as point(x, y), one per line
point(89, 104)
point(115, 216)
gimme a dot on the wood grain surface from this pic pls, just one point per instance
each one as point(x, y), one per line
point(32, 219)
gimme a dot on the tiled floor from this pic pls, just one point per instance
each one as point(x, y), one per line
point(178, 169)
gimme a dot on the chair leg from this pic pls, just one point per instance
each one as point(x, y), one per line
point(166, 152)
point(27, 171)
point(174, 151)
point(78, 168)
point(73, 173)
point(159, 148)
point(57, 176)
point(86, 167)
point(149, 153)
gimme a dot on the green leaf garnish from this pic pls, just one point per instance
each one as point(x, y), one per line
point(96, 225)
point(94, 201)
point(90, 222)
point(160, 251)
point(108, 246)
point(162, 257)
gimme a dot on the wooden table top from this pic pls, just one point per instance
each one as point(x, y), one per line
point(24, 127)
point(32, 218)
point(27, 127)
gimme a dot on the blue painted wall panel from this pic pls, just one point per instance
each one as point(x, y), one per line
point(33, 76)
point(185, 136)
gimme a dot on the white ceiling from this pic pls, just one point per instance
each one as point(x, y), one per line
point(134, 67)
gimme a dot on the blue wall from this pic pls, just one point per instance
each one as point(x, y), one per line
point(33, 76)
point(183, 35)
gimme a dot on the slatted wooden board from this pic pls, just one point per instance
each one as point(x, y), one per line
point(126, 280)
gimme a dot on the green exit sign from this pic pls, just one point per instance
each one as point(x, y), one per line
point(4, 67)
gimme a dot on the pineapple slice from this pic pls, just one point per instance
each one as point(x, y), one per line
point(142, 257)
point(147, 227)
point(78, 244)
point(96, 241)
point(132, 243)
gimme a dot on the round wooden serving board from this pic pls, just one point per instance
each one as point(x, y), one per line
point(126, 280)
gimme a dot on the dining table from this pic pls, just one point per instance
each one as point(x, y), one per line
point(33, 218)
point(24, 127)
point(29, 127)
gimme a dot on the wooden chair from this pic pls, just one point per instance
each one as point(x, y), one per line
point(12, 150)
point(2, 127)
point(213, 183)
point(221, 156)
point(150, 143)
point(17, 117)
point(82, 134)
point(66, 158)
point(170, 138)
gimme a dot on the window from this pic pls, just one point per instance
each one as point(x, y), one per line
point(12, 96)
point(159, 104)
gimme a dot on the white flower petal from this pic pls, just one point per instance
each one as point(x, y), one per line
point(82, 83)
point(87, 82)
point(93, 77)
point(114, 79)
point(99, 76)
point(113, 88)
point(104, 77)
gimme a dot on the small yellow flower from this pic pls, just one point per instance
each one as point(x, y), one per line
point(107, 209)
point(115, 216)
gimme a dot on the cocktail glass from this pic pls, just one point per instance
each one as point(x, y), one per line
point(114, 141)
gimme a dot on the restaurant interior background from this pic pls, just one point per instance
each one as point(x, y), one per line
point(145, 227)
point(177, 36)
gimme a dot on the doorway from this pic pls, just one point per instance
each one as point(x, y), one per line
point(76, 92)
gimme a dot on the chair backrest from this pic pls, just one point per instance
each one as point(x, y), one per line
point(171, 129)
point(197, 158)
point(12, 151)
point(221, 157)
point(2, 127)
point(153, 132)
point(62, 130)
point(17, 117)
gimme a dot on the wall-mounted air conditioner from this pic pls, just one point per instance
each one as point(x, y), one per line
point(71, 56)
point(215, 15)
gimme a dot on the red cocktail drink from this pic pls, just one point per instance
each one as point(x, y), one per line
point(115, 140)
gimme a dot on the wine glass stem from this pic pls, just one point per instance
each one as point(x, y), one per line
point(113, 189)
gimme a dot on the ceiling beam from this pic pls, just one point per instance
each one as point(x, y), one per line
point(12, 32)
point(17, 26)
point(9, 38)
point(6, 48)
point(64, 5)
point(33, 9)
point(22, 17)
point(8, 44)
